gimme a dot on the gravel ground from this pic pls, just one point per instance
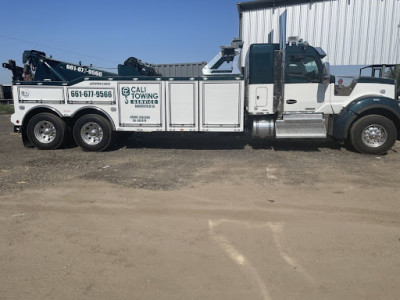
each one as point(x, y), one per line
point(168, 161)
point(203, 216)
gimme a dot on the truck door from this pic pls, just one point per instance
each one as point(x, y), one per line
point(304, 90)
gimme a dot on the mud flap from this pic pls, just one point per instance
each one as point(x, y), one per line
point(25, 140)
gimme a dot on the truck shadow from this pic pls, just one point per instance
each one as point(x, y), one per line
point(300, 145)
point(216, 141)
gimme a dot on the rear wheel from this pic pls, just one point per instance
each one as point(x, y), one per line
point(373, 134)
point(46, 131)
point(92, 132)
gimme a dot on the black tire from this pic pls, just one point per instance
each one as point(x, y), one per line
point(46, 131)
point(93, 133)
point(373, 134)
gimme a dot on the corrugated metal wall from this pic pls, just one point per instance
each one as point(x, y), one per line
point(180, 70)
point(352, 32)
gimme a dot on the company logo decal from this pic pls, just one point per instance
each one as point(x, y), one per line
point(140, 96)
point(25, 93)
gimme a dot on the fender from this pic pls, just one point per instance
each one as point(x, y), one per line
point(28, 113)
point(98, 109)
point(340, 124)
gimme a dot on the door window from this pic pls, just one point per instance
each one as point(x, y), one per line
point(302, 70)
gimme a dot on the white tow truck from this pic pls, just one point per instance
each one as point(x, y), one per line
point(279, 94)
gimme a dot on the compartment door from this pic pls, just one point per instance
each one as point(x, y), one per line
point(41, 94)
point(261, 97)
point(141, 105)
point(182, 104)
point(222, 105)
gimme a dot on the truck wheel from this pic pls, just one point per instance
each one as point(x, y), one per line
point(46, 131)
point(92, 133)
point(373, 134)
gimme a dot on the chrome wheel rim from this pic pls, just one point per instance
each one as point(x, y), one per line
point(91, 133)
point(45, 132)
point(374, 135)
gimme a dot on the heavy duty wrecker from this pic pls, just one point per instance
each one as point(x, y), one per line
point(280, 93)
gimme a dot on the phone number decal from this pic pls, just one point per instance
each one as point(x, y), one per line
point(90, 94)
point(84, 70)
point(85, 95)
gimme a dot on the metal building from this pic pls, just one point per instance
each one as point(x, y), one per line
point(352, 32)
point(180, 70)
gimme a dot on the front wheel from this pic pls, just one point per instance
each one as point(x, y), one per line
point(92, 132)
point(46, 131)
point(373, 134)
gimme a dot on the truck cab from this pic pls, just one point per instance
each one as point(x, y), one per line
point(308, 85)
point(291, 94)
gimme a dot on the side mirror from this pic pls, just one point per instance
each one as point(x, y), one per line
point(327, 72)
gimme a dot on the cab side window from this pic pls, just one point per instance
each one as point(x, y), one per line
point(302, 70)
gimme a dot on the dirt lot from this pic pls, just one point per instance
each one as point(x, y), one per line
point(198, 217)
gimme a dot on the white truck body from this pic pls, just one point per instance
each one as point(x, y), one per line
point(146, 106)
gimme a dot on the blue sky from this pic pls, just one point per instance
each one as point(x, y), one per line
point(105, 33)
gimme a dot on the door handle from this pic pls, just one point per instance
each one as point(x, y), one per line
point(291, 101)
